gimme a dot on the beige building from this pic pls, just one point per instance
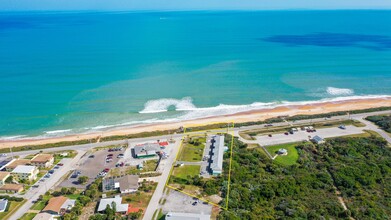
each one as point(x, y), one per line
point(11, 188)
point(3, 177)
point(24, 172)
point(42, 160)
point(14, 163)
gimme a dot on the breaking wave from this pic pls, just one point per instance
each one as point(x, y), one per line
point(188, 111)
point(162, 105)
point(339, 91)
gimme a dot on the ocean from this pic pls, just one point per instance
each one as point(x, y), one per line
point(72, 72)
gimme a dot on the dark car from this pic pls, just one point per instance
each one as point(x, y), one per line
point(286, 133)
point(60, 164)
point(270, 135)
point(91, 156)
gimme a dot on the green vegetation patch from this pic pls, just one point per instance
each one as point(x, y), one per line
point(192, 149)
point(186, 170)
point(28, 216)
point(358, 167)
point(383, 121)
point(287, 160)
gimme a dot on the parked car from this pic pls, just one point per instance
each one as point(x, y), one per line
point(51, 171)
point(92, 156)
point(60, 164)
point(56, 167)
point(286, 133)
point(120, 156)
point(47, 175)
point(3, 155)
point(270, 135)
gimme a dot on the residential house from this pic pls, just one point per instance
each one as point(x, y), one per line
point(42, 160)
point(25, 172)
point(16, 162)
point(3, 205)
point(125, 184)
point(117, 200)
point(3, 177)
point(11, 188)
point(59, 205)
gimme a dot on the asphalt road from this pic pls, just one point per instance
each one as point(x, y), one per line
point(34, 193)
point(154, 202)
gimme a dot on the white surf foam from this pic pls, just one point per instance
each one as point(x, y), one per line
point(339, 91)
point(162, 105)
point(16, 137)
point(58, 131)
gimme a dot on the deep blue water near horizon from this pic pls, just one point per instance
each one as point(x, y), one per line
point(81, 71)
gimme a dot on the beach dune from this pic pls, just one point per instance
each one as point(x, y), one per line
point(254, 115)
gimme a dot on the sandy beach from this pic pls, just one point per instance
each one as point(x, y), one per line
point(254, 115)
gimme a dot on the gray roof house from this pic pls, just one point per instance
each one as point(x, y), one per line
point(317, 139)
point(146, 150)
point(125, 184)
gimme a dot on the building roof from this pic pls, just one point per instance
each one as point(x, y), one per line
point(186, 216)
point(317, 138)
point(128, 182)
point(43, 216)
point(124, 183)
point(218, 152)
point(55, 204)
point(24, 169)
point(3, 204)
point(17, 162)
point(163, 143)
point(4, 174)
point(42, 158)
point(282, 151)
point(11, 186)
point(147, 149)
point(109, 201)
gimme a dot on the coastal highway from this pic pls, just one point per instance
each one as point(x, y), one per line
point(33, 194)
point(86, 147)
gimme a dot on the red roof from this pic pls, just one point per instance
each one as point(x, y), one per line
point(164, 143)
point(134, 209)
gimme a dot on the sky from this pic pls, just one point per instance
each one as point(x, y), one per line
point(124, 5)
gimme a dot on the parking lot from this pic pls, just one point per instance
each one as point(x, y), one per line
point(179, 202)
point(300, 135)
point(91, 165)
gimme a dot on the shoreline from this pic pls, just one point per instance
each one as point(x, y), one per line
point(246, 116)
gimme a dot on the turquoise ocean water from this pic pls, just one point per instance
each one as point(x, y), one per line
point(63, 73)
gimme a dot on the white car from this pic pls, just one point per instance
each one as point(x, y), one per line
point(3, 155)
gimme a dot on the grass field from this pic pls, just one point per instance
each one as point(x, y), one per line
point(186, 170)
point(12, 207)
point(28, 216)
point(41, 204)
point(287, 160)
point(192, 152)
